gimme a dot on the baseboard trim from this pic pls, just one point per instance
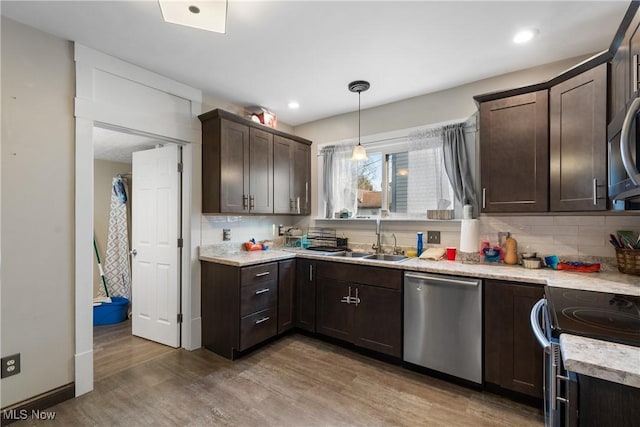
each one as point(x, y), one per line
point(34, 408)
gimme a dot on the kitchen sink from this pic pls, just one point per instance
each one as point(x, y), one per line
point(386, 257)
point(348, 254)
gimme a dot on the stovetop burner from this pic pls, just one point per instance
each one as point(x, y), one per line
point(600, 315)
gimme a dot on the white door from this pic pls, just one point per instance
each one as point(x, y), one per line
point(155, 285)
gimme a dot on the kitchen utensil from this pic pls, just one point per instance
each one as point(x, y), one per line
point(532, 262)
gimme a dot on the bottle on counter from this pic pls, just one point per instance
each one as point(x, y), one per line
point(419, 244)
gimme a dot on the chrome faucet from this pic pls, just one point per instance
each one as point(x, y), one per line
point(396, 249)
point(377, 246)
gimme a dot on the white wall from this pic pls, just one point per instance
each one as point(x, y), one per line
point(37, 210)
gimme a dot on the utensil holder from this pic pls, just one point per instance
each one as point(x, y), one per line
point(628, 261)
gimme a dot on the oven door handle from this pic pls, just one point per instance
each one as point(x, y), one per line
point(535, 319)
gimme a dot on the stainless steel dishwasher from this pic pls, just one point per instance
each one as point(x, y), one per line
point(443, 324)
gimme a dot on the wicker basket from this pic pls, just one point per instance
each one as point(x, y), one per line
point(628, 261)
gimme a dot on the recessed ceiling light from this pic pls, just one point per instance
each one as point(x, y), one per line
point(294, 105)
point(208, 15)
point(525, 36)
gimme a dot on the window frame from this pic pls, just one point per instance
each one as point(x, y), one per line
point(394, 142)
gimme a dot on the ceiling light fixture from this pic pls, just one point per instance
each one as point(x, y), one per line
point(525, 36)
point(359, 153)
point(208, 15)
point(294, 105)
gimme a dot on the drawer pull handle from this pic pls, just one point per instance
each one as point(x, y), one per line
point(262, 291)
point(264, 319)
point(266, 273)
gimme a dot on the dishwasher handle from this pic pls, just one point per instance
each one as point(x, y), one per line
point(436, 280)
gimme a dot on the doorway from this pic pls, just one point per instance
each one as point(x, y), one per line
point(115, 94)
point(116, 150)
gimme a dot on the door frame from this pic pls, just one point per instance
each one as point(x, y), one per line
point(104, 85)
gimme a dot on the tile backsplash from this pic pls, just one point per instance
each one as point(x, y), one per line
point(566, 235)
point(561, 235)
point(246, 227)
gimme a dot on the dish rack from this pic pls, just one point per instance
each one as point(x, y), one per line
point(628, 261)
point(322, 237)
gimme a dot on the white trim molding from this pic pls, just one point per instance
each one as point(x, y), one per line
point(120, 94)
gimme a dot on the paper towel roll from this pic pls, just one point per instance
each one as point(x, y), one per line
point(469, 235)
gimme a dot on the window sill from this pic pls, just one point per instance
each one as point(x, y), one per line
point(388, 219)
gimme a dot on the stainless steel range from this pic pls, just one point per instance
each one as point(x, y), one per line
point(599, 315)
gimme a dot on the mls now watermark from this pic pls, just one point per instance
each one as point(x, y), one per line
point(25, 414)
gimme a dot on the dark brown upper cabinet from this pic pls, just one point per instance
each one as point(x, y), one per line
point(292, 176)
point(578, 142)
point(245, 171)
point(514, 153)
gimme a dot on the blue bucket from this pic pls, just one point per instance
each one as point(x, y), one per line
point(108, 313)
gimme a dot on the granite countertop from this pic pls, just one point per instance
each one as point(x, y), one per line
point(601, 359)
point(611, 281)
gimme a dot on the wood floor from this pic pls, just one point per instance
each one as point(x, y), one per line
point(294, 381)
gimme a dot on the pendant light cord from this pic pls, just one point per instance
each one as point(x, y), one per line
point(359, 92)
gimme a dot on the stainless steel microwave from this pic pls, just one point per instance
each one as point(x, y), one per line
point(624, 162)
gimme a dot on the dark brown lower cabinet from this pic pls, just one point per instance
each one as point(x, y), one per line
point(512, 357)
point(286, 294)
point(607, 404)
point(239, 306)
point(305, 295)
point(361, 305)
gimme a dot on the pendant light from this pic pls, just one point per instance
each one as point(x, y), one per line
point(359, 153)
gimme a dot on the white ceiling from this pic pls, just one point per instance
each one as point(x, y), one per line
point(118, 146)
point(308, 51)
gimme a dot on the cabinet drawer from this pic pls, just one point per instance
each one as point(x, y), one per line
point(365, 274)
point(257, 328)
point(258, 296)
point(259, 274)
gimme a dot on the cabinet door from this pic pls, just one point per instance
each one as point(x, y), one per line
point(378, 320)
point(282, 175)
point(578, 142)
point(286, 287)
point(260, 171)
point(514, 153)
point(301, 183)
point(634, 57)
point(234, 166)
point(305, 295)
point(335, 316)
point(512, 356)
point(619, 93)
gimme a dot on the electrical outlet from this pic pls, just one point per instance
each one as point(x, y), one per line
point(10, 365)
point(433, 237)
point(226, 234)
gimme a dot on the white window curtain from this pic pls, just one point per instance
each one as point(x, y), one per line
point(429, 187)
point(340, 180)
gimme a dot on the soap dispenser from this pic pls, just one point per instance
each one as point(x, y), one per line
point(419, 244)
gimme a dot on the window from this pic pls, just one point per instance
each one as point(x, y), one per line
point(406, 183)
point(404, 175)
